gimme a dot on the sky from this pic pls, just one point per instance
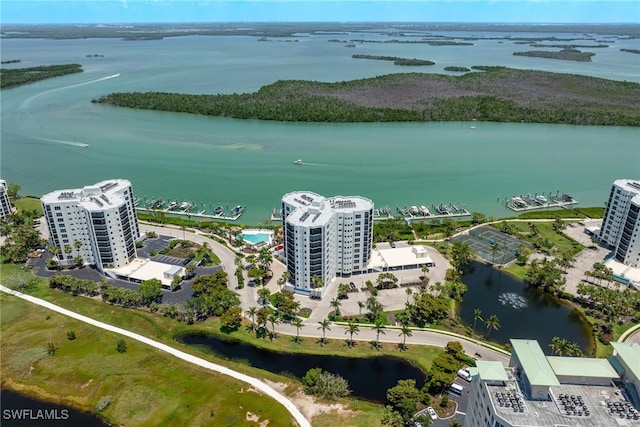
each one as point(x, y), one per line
point(164, 11)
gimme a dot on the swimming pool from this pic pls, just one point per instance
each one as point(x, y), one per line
point(257, 236)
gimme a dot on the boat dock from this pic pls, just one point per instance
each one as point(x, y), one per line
point(422, 212)
point(529, 202)
point(189, 209)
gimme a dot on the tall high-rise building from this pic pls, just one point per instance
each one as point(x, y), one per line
point(621, 222)
point(325, 238)
point(5, 204)
point(97, 223)
point(539, 390)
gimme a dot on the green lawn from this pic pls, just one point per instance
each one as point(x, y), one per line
point(149, 387)
point(140, 374)
point(27, 204)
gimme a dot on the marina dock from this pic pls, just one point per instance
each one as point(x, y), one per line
point(529, 202)
point(422, 212)
point(190, 210)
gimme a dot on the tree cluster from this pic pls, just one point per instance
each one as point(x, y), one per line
point(20, 236)
point(12, 77)
point(325, 384)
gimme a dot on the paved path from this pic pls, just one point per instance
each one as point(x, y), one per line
point(297, 415)
point(392, 299)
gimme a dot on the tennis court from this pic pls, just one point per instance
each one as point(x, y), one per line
point(492, 245)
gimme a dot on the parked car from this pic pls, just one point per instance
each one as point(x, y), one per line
point(464, 374)
point(457, 389)
point(392, 244)
point(432, 413)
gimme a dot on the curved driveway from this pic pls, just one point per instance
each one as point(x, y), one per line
point(302, 421)
point(321, 309)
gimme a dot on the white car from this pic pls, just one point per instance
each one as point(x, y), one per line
point(432, 413)
point(465, 374)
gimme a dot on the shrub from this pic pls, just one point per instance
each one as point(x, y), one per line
point(71, 335)
point(103, 403)
point(121, 346)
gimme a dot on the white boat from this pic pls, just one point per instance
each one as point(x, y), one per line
point(298, 162)
point(424, 210)
point(541, 199)
point(473, 127)
point(185, 206)
point(172, 205)
point(414, 210)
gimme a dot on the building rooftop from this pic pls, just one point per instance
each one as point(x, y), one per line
point(630, 353)
point(99, 196)
point(534, 362)
point(581, 367)
point(491, 371)
point(570, 405)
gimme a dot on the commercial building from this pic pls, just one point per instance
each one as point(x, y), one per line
point(539, 390)
point(96, 223)
point(621, 222)
point(325, 238)
point(5, 204)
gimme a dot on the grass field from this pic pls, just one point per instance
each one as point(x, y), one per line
point(28, 203)
point(86, 369)
point(148, 387)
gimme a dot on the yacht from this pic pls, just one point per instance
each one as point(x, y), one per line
point(541, 199)
point(218, 210)
point(414, 210)
point(424, 210)
point(185, 206)
point(298, 162)
point(172, 205)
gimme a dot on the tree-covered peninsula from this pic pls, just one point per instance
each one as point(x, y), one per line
point(489, 94)
point(11, 77)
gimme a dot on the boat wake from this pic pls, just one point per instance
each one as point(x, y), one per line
point(62, 142)
point(513, 300)
point(27, 102)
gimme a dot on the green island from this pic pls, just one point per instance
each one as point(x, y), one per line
point(10, 61)
point(567, 54)
point(457, 69)
point(496, 94)
point(396, 60)
point(637, 51)
point(12, 77)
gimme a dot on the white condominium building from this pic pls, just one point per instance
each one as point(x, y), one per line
point(5, 204)
point(538, 390)
point(97, 223)
point(325, 238)
point(621, 222)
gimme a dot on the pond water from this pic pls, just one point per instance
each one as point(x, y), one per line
point(523, 312)
point(22, 410)
point(369, 378)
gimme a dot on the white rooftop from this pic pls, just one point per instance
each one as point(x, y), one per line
point(144, 269)
point(399, 257)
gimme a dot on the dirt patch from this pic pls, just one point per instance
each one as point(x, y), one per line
point(256, 419)
point(309, 405)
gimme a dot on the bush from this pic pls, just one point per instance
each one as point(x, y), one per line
point(324, 384)
point(103, 403)
point(121, 346)
point(71, 335)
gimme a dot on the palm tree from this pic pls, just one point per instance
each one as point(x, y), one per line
point(265, 258)
point(378, 327)
point(352, 328)
point(68, 249)
point(405, 331)
point(297, 322)
point(274, 320)
point(559, 346)
point(408, 291)
point(360, 307)
point(263, 295)
point(492, 323)
point(335, 303)
point(495, 248)
point(477, 315)
point(78, 245)
point(316, 282)
point(252, 313)
point(424, 278)
point(324, 325)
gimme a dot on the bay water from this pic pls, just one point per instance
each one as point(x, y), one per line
point(219, 161)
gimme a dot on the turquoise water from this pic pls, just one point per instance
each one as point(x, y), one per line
point(228, 162)
point(256, 237)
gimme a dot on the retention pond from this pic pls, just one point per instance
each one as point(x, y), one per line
point(369, 378)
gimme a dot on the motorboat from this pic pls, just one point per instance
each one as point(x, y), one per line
point(298, 162)
point(541, 199)
point(172, 205)
point(424, 210)
point(443, 209)
point(218, 210)
point(414, 210)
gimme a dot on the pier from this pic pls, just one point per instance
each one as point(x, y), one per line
point(529, 202)
point(189, 209)
point(422, 212)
